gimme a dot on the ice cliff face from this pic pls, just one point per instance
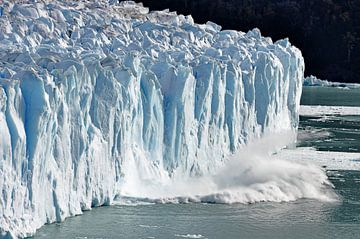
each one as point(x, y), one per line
point(87, 86)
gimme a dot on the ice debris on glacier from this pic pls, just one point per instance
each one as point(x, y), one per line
point(88, 86)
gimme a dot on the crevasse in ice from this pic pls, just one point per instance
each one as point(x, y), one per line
point(90, 85)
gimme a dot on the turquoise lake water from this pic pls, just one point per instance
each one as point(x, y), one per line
point(299, 219)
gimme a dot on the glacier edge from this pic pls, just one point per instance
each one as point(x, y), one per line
point(86, 87)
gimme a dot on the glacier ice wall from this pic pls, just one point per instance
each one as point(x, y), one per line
point(86, 87)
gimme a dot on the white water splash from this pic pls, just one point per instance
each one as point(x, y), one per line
point(252, 175)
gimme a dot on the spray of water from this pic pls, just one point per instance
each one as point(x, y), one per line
point(253, 174)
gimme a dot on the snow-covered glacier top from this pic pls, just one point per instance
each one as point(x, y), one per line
point(95, 95)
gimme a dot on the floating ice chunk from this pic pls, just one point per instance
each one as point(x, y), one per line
point(190, 235)
point(328, 159)
point(320, 110)
point(313, 81)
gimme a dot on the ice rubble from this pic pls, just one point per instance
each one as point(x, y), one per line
point(88, 86)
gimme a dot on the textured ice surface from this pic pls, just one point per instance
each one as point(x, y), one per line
point(313, 81)
point(90, 90)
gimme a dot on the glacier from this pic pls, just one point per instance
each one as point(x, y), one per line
point(100, 98)
point(314, 81)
